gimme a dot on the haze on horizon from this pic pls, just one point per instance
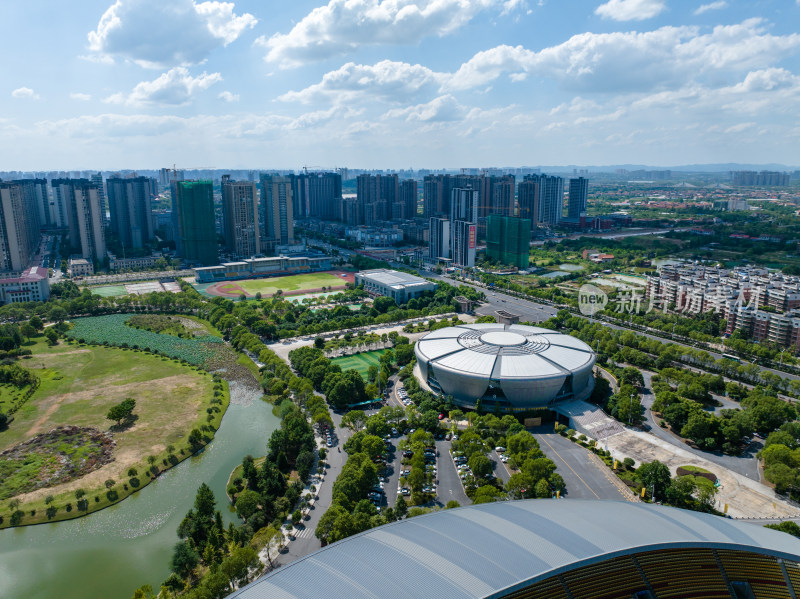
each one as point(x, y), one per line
point(398, 83)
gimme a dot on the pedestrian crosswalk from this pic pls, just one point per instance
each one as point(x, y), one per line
point(304, 533)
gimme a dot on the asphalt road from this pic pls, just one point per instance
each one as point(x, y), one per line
point(450, 486)
point(584, 478)
point(745, 464)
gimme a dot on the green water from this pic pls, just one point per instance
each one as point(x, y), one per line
point(109, 554)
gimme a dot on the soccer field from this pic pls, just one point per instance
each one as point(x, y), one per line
point(360, 362)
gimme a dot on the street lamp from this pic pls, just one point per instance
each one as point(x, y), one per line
point(630, 409)
point(781, 362)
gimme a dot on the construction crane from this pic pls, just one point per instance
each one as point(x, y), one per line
point(313, 168)
point(190, 168)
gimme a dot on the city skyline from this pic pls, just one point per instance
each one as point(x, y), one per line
point(399, 83)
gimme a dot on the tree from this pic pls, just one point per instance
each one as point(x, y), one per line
point(452, 504)
point(247, 503)
point(184, 559)
point(788, 527)
point(354, 420)
point(319, 343)
point(655, 476)
point(51, 335)
point(122, 411)
point(401, 507)
point(480, 465)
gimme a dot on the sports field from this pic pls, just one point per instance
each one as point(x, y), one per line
point(109, 290)
point(360, 362)
point(288, 285)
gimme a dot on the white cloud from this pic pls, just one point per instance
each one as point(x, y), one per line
point(228, 96)
point(80, 96)
point(158, 33)
point(344, 25)
point(24, 92)
point(388, 80)
point(176, 87)
point(630, 10)
point(667, 57)
point(443, 108)
point(720, 4)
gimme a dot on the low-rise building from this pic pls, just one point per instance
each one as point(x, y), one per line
point(400, 286)
point(80, 267)
point(115, 263)
point(31, 286)
point(262, 267)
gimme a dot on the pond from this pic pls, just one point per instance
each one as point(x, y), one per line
point(110, 553)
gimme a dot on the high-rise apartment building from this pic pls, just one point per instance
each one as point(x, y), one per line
point(277, 212)
point(464, 239)
point(541, 199)
point(197, 229)
point(39, 201)
point(35, 202)
point(439, 241)
point(14, 244)
point(375, 195)
point(508, 240)
point(316, 195)
point(80, 199)
point(497, 195)
point(130, 204)
point(407, 198)
point(240, 217)
point(464, 204)
point(578, 197)
point(97, 179)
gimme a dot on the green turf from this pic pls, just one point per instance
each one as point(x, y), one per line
point(109, 290)
point(360, 362)
point(270, 286)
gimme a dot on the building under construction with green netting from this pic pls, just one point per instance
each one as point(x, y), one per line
point(196, 222)
point(508, 240)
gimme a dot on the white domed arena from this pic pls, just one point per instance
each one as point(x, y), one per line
point(508, 367)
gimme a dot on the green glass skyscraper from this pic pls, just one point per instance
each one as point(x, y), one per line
point(508, 240)
point(196, 222)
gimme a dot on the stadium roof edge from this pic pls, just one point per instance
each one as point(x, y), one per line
point(504, 546)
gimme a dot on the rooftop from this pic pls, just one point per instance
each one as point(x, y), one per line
point(486, 550)
point(392, 278)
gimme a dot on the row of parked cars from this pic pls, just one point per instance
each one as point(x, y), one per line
point(402, 394)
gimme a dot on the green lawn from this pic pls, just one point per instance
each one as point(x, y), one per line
point(109, 290)
point(360, 362)
point(80, 383)
point(270, 286)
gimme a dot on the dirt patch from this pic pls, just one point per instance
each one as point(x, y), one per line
point(49, 459)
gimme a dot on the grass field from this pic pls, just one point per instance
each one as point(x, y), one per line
point(80, 383)
point(109, 291)
point(360, 362)
point(289, 283)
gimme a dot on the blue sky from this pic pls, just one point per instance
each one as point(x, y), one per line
point(98, 84)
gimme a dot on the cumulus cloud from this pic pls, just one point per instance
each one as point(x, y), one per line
point(719, 5)
point(24, 92)
point(155, 33)
point(620, 61)
point(387, 80)
point(443, 108)
point(630, 10)
point(344, 25)
point(176, 87)
point(228, 96)
point(80, 96)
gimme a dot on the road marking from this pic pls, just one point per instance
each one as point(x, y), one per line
point(570, 467)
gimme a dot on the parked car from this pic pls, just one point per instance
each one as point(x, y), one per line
point(500, 449)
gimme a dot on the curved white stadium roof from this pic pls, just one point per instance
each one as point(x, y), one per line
point(486, 550)
point(505, 351)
